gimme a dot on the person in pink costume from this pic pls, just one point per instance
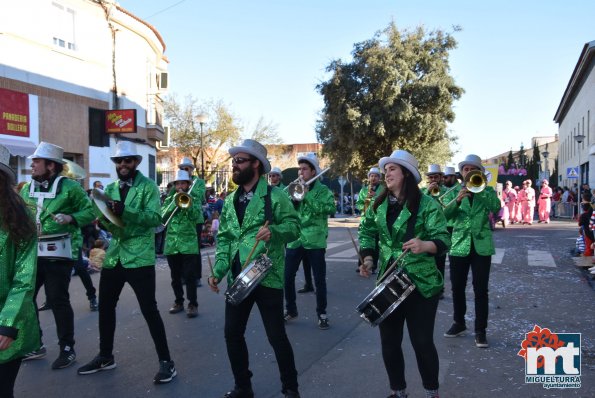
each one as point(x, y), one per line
point(512, 170)
point(521, 201)
point(529, 204)
point(501, 169)
point(545, 202)
point(509, 198)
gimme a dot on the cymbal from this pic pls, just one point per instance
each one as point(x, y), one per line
point(73, 170)
point(100, 199)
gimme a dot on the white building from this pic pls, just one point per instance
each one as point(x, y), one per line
point(577, 137)
point(63, 64)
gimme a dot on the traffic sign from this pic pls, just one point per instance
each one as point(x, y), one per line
point(572, 172)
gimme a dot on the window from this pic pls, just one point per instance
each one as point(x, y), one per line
point(97, 134)
point(152, 175)
point(63, 29)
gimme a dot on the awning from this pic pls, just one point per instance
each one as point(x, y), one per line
point(18, 147)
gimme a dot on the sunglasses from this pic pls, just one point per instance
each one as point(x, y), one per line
point(124, 160)
point(240, 160)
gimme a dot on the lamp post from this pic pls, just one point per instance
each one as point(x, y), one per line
point(202, 119)
point(579, 139)
point(545, 154)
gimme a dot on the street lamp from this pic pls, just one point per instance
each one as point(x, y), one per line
point(579, 138)
point(545, 154)
point(202, 119)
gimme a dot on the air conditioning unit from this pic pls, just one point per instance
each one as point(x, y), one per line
point(162, 80)
point(165, 142)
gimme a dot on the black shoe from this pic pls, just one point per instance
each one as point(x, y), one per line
point(323, 322)
point(44, 307)
point(39, 353)
point(97, 364)
point(292, 394)
point(93, 306)
point(198, 283)
point(289, 316)
point(480, 340)
point(65, 359)
point(306, 289)
point(167, 372)
point(239, 393)
point(456, 330)
point(176, 308)
point(192, 311)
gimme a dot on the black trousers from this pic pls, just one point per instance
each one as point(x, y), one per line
point(55, 275)
point(199, 228)
point(8, 376)
point(315, 257)
point(142, 281)
point(459, 271)
point(81, 271)
point(183, 266)
point(441, 265)
point(270, 305)
point(420, 314)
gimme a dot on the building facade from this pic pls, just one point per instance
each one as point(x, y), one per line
point(66, 64)
point(573, 116)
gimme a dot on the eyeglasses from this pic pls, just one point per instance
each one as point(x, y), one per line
point(124, 160)
point(239, 160)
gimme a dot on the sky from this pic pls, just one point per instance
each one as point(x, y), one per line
point(263, 59)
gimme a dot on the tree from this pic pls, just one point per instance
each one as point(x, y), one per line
point(396, 93)
point(533, 173)
point(510, 160)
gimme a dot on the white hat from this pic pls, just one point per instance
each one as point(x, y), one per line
point(126, 149)
point(277, 171)
point(5, 163)
point(186, 162)
point(472, 160)
point(434, 169)
point(182, 175)
point(404, 159)
point(449, 171)
point(255, 149)
point(48, 151)
point(374, 170)
point(312, 159)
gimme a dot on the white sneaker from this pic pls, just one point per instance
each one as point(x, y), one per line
point(592, 268)
point(593, 272)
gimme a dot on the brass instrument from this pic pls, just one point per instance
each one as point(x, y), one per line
point(369, 197)
point(298, 189)
point(435, 190)
point(475, 181)
point(181, 200)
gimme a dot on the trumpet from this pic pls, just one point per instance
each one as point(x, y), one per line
point(475, 181)
point(182, 200)
point(298, 189)
point(435, 190)
point(369, 197)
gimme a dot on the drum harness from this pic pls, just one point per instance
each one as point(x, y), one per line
point(409, 233)
point(40, 196)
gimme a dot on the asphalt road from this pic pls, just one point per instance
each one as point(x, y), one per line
point(534, 281)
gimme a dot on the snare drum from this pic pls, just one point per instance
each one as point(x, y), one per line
point(248, 279)
point(386, 297)
point(55, 247)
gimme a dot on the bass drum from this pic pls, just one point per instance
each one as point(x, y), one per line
point(248, 279)
point(385, 298)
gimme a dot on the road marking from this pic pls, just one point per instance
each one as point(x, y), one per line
point(349, 253)
point(540, 258)
point(497, 258)
point(334, 244)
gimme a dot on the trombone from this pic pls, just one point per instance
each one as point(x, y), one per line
point(475, 181)
point(298, 189)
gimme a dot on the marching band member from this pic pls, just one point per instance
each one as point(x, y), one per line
point(62, 207)
point(406, 220)
point(180, 248)
point(529, 203)
point(509, 196)
point(313, 212)
point(130, 258)
point(275, 178)
point(198, 195)
point(545, 201)
point(19, 329)
point(366, 196)
point(242, 225)
point(472, 247)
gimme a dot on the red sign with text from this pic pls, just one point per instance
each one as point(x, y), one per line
point(14, 113)
point(120, 121)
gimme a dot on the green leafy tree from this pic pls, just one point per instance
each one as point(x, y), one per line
point(510, 160)
point(396, 93)
point(535, 163)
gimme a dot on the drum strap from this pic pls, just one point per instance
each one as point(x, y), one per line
point(40, 196)
point(268, 206)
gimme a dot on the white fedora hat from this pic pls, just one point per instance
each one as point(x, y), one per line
point(312, 159)
point(404, 159)
point(255, 149)
point(182, 175)
point(449, 171)
point(472, 160)
point(434, 169)
point(5, 163)
point(126, 149)
point(374, 170)
point(48, 151)
point(186, 162)
point(277, 171)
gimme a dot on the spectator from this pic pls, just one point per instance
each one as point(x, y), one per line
point(215, 226)
point(97, 255)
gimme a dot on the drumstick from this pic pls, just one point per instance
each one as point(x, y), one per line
point(266, 224)
point(46, 210)
point(361, 260)
point(393, 265)
point(211, 267)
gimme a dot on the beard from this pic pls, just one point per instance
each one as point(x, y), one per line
point(130, 173)
point(241, 177)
